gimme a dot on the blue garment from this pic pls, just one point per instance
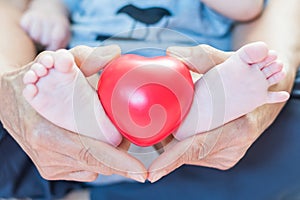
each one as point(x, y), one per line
point(19, 177)
point(171, 21)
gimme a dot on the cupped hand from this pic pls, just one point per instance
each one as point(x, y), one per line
point(57, 153)
point(220, 148)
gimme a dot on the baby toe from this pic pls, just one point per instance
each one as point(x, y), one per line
point(64, 61)
point(253, 52)
point(272, 56)
point(272, 68)
point(39, 69)
point(30, 92)
point(30, 77)
point(275, 78)
point(46, 60)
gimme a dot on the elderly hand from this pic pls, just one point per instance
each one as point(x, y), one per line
point(220, 148)
point(57, 153)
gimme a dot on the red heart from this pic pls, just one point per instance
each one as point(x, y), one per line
point(146, 98)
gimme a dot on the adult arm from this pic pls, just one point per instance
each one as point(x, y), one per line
point(16, 48)
point(222, 148)
point(236, 9)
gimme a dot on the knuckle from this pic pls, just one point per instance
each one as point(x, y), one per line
point(85, 156)
point(198, 151)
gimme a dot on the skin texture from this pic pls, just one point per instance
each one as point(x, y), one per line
point(235, 9)
point(225, 92)
point(48, 85)
point(21, 49)
point(59, 154)
point(222, 148)
point(76, 162)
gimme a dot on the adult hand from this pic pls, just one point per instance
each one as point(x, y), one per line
point(221, 148)
point(57, 153)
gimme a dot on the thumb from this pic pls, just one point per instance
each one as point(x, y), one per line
point(199, 58)
point(92, 60)
point(171, 159)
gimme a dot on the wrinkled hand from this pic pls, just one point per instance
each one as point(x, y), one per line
point(57, 153)
point(221, 148)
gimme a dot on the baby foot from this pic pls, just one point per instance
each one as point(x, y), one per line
point(234, 88)
point(47, 23)
point(56, 88)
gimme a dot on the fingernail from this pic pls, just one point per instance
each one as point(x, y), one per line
point(155, 177)
point(139, 178)
point(179, 51)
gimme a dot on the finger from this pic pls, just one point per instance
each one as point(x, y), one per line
point(25, 21)
point(49, 157)
point(171, 159)
point(56, 38)
point(59, 167)
point(189, 151)
point(81, 176)
point(67, 173)
point(92, 155)
point(92, 60)
point(106, 159)
point(50, 162)
point(199, 58)
point(35, 30)
point(46, 36)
